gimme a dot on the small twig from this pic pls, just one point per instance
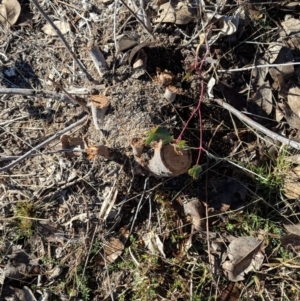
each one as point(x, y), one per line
point(88, 76)
point(50, 94)
point(77, 101)
point(63, 150)
point(139, 206)
point(55, 136)
point(256, 125)
point(259, 66)
point(35, 93)
point(137, 18)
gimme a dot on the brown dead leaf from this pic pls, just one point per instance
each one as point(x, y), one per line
point(100, 101)
point(244, 256)
point(293, 99)
point(63, 26)
point(230, 293)
point(113, 249)
point(263, 98)
point(165, 78)
point(292, 119)
point(196, 210)
point(94, 150)
point(291, 29)
point(181, 15)
point(125, 42)
point(281, 74)
point(9, 12)
point(291, 240)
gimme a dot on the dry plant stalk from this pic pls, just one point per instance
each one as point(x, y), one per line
point(99, 105)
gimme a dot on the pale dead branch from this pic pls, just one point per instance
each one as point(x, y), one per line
point(257, 126)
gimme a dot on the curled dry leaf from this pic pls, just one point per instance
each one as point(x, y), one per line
point(113, 249)
point(244, 256)
point(181, 15)
point(9, 12)
point(125, 42)
point(167, 161)
point(63, 26)
point(151, 240)
point(196, 210)
point(94, 150)
point(165, 78)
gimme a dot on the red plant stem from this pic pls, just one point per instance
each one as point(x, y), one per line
point(198, 108)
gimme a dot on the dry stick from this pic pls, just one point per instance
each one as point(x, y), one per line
point(137, 18)
point(256, 125)
point(57, 135)
point(35, 93)
point(77, 101)
point(259, 66)
point(58, 32)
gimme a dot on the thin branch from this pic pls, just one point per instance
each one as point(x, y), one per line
point(259, 66)
point(137, 18)
point(256, 125)
point(36, 93)
point(50, 94)
point(88, 76)
point(55, 136)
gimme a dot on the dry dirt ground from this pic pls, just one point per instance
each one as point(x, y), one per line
point(78, 226)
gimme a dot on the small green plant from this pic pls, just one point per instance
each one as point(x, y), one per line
point(157, 134)
point(161, 133)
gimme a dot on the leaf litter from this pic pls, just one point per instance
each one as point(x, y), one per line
point(85, 190)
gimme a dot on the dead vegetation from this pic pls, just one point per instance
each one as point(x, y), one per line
point(149, 150)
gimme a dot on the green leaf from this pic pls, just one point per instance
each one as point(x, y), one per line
point(181, 144)
point(194, 172)
point(159, 133)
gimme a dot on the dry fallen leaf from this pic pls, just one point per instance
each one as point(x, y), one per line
point(181, 15)
point(94, 150)
point(113, 249)
point(291, 240)
point(9, 12)
point(263, 98)
point(165, 78)
point(244, 256)
point(196, 210)
point(293, 99)
point(63, 26)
